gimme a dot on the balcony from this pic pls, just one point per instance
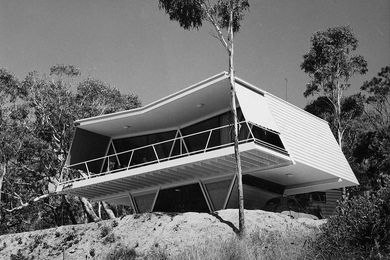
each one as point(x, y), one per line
point(200, 155)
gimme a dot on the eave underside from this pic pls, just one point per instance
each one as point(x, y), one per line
point(207, 166)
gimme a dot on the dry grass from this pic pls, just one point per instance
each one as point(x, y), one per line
point(161, 236)
point(258, 245)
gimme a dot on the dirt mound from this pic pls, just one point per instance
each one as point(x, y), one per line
point(172, 235)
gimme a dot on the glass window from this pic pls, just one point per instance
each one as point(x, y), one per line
point(146, 154)
point(218, 192)
point(267, 136)
point(198, 142)
point(144, 202)
point(318, 196)
point(181, 199)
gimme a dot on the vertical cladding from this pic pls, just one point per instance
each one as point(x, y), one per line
point(332, 196)
point(308, 139)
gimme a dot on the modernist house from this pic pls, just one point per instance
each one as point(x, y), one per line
point(176, 154)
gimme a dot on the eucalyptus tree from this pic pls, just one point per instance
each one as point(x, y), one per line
point(372, 149)
point(225, 17)
point(10, 122)
point(331, 63)
point(377, 96)
point(35, 134)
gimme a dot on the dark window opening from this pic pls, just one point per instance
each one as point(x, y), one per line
point(197, 142)
point(144, 202)
point(318, 196)
point(267, 136)
point(145, 154)
point(181, 199)
point(218, 192)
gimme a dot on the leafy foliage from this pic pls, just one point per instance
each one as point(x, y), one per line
point(330, 64)
point(36, 129)
point(369, 146)
point(378, 97)
point(188, 13)
point(330, 61)
point(367, 128)
point(192, 13)
point(361, 228)
point(96, 98)
point(352, 108)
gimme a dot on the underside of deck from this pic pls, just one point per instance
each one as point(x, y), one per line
point(204, 166)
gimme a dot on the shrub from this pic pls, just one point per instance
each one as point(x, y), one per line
point(122, 253)
point(92, 252)
point(3, 246)
point(104, 231)
point(70, 237)
point(109, 239)
point(361, 228)
point(156, 253)
point(19, 239)
point(114, 223)
point(18, 256)
point(37, 241)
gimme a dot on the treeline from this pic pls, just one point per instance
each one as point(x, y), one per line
point(360, 122)
point(360, 228)
point(36, 128)
point(366, 128)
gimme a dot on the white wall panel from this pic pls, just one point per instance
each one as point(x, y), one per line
point(255, 108)
point(309, 139)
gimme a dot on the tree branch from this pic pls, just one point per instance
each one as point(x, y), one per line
point(23, 205)
point(212, 20)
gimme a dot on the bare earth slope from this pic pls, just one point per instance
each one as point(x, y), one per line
point(173, 236)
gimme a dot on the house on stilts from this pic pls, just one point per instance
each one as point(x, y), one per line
point(177, 153)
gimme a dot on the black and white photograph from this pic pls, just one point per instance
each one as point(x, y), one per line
point(194, 129)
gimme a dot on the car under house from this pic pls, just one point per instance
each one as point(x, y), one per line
point(177, 154)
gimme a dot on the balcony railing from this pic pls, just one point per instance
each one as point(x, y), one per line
point(179, 147)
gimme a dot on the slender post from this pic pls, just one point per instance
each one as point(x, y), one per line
point(86, 166)
point(286, 86)
point(131, 157)
point(241, 219)
point(208, 140)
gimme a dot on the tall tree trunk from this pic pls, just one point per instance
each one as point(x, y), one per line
point(88, 209)
point(3, 171)
point(241, 218)
point(339, 126)
point(108, 210)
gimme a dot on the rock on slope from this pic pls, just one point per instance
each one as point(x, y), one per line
point(186, 235)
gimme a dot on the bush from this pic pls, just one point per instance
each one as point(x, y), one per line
point(122, 253)
point(109, 239)
point(18, 256)
point(361, 228)
point(104, 231)
point(114, 224)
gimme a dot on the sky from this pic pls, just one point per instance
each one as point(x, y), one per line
point(133, 46)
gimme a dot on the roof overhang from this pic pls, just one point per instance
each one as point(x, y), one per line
point(202, 100)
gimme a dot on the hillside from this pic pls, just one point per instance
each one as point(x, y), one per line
point(168, 236)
